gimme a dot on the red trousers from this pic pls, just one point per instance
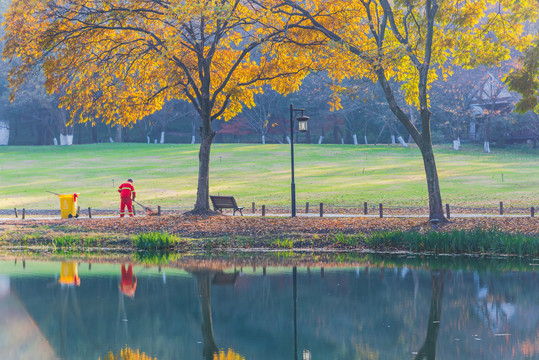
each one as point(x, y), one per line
point(126, 201)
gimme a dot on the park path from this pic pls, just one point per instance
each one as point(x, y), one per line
point(37, 218)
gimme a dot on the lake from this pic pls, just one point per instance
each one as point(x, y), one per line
point(384, 309)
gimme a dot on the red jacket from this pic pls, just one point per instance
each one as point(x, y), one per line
point(127, 189)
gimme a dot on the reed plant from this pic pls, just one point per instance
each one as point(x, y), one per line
point(478, 241)
point(155, 241)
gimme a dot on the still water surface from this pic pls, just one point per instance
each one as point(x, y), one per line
point(69, 310)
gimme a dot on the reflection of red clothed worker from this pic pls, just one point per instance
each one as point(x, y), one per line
point(127, 192)
point(128, 285)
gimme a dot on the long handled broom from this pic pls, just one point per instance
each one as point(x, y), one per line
point(149, 210)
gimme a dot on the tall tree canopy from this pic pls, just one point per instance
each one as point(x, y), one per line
point(411, 43)
point(120, 60)
point(525, 80)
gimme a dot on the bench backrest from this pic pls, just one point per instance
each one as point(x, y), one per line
point(224, 202)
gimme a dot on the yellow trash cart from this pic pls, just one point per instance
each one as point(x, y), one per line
point(68, 205)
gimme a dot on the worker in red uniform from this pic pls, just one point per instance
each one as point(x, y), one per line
point(127, 192)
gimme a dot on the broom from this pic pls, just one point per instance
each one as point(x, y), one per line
point(150, 211)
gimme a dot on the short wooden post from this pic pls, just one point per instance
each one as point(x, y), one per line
point(447, 211)
point(263, 210)
point(365, 208)
point(381, 211)
point(253, 208)
point(532, 211)
point(321, 209)
point(23, 213)
point(501, 207)
point(307, 207)
point(158, 210)
point(78, 210)
point(134, 211)
point(16, 213)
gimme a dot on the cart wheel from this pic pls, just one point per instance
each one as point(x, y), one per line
point(76, 216)
point(70, 216)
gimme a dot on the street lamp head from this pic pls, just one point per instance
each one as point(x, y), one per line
point(302, 123)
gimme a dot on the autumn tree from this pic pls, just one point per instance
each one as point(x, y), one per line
point(524, 79)
point(121, 60)
point(413, 43)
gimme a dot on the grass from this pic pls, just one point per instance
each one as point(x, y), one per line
point(478, 241)
point(155, 241)
point(166, 175)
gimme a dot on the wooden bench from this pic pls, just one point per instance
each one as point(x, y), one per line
point(225, 202)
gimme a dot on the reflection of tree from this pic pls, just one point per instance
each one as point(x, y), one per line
point(204, 295)
point(428, 350)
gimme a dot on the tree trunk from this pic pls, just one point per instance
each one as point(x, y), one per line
point(424, 142)
point(94, 134)
point(203, 191)
point(436, 210)
point(118, 137)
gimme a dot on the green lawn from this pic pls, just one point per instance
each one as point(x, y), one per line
point(166, 175)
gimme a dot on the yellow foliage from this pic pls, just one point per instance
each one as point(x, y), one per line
point(127, 354)
point(114, 64)
point(229, 355)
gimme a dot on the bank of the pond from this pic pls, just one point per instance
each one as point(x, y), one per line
point(510, 236)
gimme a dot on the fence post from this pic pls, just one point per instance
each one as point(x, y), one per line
point(321, 209)
point(16, 213)
point(158, 210)
point(381, 211)
point(532, 211)
point(501, 207)
point(253, 207)
point(23, 213)
point(447, 211)
point(89, 212)
point(307, 207)
point(263, 210)
point(365, 209)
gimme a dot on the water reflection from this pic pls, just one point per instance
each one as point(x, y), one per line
point(72, 311)
point(128, 283)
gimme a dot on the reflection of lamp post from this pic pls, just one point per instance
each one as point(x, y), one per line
point(302, 127)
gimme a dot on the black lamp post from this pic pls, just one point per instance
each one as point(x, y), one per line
point(302, 127)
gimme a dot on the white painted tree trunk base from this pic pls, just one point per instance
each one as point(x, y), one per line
point(355, 139)
point(55, 141)
point(320, 139)
point(402, 142)
point(456, 145)
point(393, 139)
point(162, 141)
point(366, 142)
point(288, 139)
point(193, 140)
point(4, 132)
point(66, 140)
point(263, 140)
point(487, 146)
